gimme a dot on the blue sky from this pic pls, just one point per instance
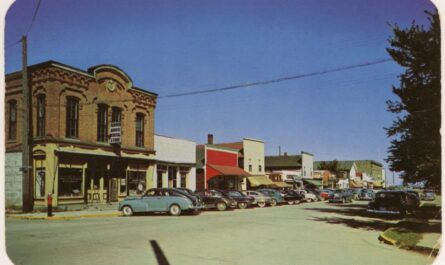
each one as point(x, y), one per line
point(176, 46)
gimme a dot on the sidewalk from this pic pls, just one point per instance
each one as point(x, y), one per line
point(69, 215)
point(70, 212)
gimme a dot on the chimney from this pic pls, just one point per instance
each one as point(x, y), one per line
point(209, 138)
point(285, 153)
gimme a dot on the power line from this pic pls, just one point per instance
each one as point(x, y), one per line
point(29, 28)
point(33, 17)
point(277, 80)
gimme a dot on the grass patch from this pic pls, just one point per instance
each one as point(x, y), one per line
point(403, 237)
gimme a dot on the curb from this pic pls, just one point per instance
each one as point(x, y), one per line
point(61, 217)
point(386, 239)
point(420, 249)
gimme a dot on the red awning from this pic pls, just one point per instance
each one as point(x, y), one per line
point(230, 171)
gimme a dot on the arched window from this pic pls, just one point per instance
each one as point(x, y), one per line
point(72, 117)
point(102, 123)
point(12, 128)
point(140, 129)
point(41, 113)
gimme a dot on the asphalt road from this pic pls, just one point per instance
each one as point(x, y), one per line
point(313, 233)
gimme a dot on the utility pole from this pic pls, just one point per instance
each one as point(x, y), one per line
point(27, 192)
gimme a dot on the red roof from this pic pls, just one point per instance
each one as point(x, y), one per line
point(230, 171)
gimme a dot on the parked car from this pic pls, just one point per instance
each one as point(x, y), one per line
point(258, 198)
point(291, 196)
point(216, 199)
point(242, 200)
point(394, 203)
point(355, 193)
point(307, 196)
point(160, 200)
point(366, 194)
point(324, 194)
point(428, 195)
point(277, 197)
point(342, 196)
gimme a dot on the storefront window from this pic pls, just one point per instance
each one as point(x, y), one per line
point(70, 182)
point(172, 177)
point(183, 180)
point(40, 182)
point(136, 182)
point(122, 185)
point(159, 178)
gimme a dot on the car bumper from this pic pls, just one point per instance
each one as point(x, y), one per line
point(382, 211)
point(197, 207)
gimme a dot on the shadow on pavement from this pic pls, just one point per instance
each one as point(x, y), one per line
point(376, 225)
point(160, 256)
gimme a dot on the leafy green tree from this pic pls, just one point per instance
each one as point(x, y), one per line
point(415, 149)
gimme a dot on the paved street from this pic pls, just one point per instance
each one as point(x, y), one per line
point(312, 233)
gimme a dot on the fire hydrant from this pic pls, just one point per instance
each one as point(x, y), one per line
point(49, 201)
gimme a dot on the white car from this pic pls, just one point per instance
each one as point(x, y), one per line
point(308, 197)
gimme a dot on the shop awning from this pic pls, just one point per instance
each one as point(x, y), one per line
point(314, 182)
point(256, 181)
point(377, 184)
point(229, 171)
point(281, 184)
point(355, 183)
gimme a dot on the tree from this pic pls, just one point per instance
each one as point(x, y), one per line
point(415, 149)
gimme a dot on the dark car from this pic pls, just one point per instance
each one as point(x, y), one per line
point(291, 196)
point(342, 196)
point(242, 200)
point(394, 203)
point(216, 199)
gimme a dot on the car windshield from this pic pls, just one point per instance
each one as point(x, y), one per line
point(234, 194)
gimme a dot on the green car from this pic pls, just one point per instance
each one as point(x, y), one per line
point(169, 200)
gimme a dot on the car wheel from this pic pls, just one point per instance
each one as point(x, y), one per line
point(175, 210)
point(309, 200)
point(242, 205)
point(261, 204)
point(221, 206)
point(290, 202)
point(273, 202)
point(127, 210)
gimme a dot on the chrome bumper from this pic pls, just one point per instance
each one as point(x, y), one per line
point(383, 211)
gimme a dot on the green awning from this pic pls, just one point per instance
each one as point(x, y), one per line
point(256, 181)
point(315, 182)
point(281, 184)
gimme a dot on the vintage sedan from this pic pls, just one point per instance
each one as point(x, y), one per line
point(168, 200)
point(342, 196)
point(394, 203)
point(277, 197)
point(242, 200)
point(258, 198)
point(216, 199)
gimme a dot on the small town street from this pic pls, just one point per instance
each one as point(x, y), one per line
point(309, 233)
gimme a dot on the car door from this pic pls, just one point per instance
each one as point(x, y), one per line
point(152, 200)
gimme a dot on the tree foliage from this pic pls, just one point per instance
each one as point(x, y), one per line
point(415, 149)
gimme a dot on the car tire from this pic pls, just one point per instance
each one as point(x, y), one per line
point(273, 202)
point(261, 204)
point(290, 202)
point(175, 210)
point(310, 200)
point(221, 206)
point(242, 205)
point(127, 210)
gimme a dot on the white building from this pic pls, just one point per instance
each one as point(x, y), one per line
point(176, 163)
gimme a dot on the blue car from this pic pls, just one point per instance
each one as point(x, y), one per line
point(168, 200)
point(277, 197)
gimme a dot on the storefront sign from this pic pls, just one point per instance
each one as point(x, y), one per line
point(115, 133)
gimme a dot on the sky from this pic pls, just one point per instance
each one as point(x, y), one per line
point(171, 47)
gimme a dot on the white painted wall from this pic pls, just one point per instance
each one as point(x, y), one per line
point(176, 152)
point(307, 165)
point(253, 155)
point(13, 179)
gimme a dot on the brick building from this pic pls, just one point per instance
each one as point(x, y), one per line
point(92, 133)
